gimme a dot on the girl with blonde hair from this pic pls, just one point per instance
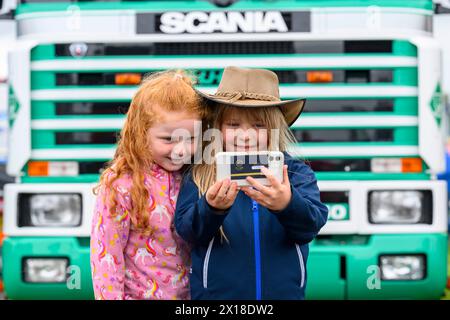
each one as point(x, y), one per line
point(250, 242)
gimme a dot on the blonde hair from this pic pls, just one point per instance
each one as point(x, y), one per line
point(170, 90)
point(204, 174)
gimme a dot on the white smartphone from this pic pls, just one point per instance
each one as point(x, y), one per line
point(237, 166)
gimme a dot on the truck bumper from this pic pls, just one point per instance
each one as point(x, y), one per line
point(339, 267)
point(347, 267)
point(76, 250)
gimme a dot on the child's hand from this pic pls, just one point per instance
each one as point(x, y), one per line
point(221, 195)
point(275, 197)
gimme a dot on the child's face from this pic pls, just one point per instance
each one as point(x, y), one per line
point(172, 140)
point(242, 134)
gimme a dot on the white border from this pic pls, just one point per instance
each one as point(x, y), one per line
point(73, 153)
point(58, 124)
point(297, 91)
point(385, 34)
point(12, 191)
point(303, 150)
point(358, 204)
point(355, 121)
point(89, 64)
point(358, 201)
point(118, 12)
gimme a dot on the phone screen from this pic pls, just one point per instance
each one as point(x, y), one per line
point(243, 166)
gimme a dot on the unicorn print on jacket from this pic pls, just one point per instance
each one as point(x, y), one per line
point(127, 265)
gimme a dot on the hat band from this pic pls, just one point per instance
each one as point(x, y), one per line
point(238, 95)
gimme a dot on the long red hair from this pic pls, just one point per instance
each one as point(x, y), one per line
point(170, 90)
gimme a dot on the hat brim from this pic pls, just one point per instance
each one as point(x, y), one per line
point(291, 108)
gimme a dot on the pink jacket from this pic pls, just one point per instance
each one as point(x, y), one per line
point(128, 265)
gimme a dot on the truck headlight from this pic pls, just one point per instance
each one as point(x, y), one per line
point(45, 270)
point(49, 210)
point(402, 267)
point(400, 206)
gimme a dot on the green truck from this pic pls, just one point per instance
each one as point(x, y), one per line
point(373, 128)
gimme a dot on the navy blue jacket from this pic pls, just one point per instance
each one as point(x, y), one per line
point(266, 253)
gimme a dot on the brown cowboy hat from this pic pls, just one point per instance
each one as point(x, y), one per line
point(254, 88)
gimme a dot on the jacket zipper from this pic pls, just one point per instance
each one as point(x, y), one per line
point(257, 249)
point(257, 253)
point(302, 265)
point(206, 263)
